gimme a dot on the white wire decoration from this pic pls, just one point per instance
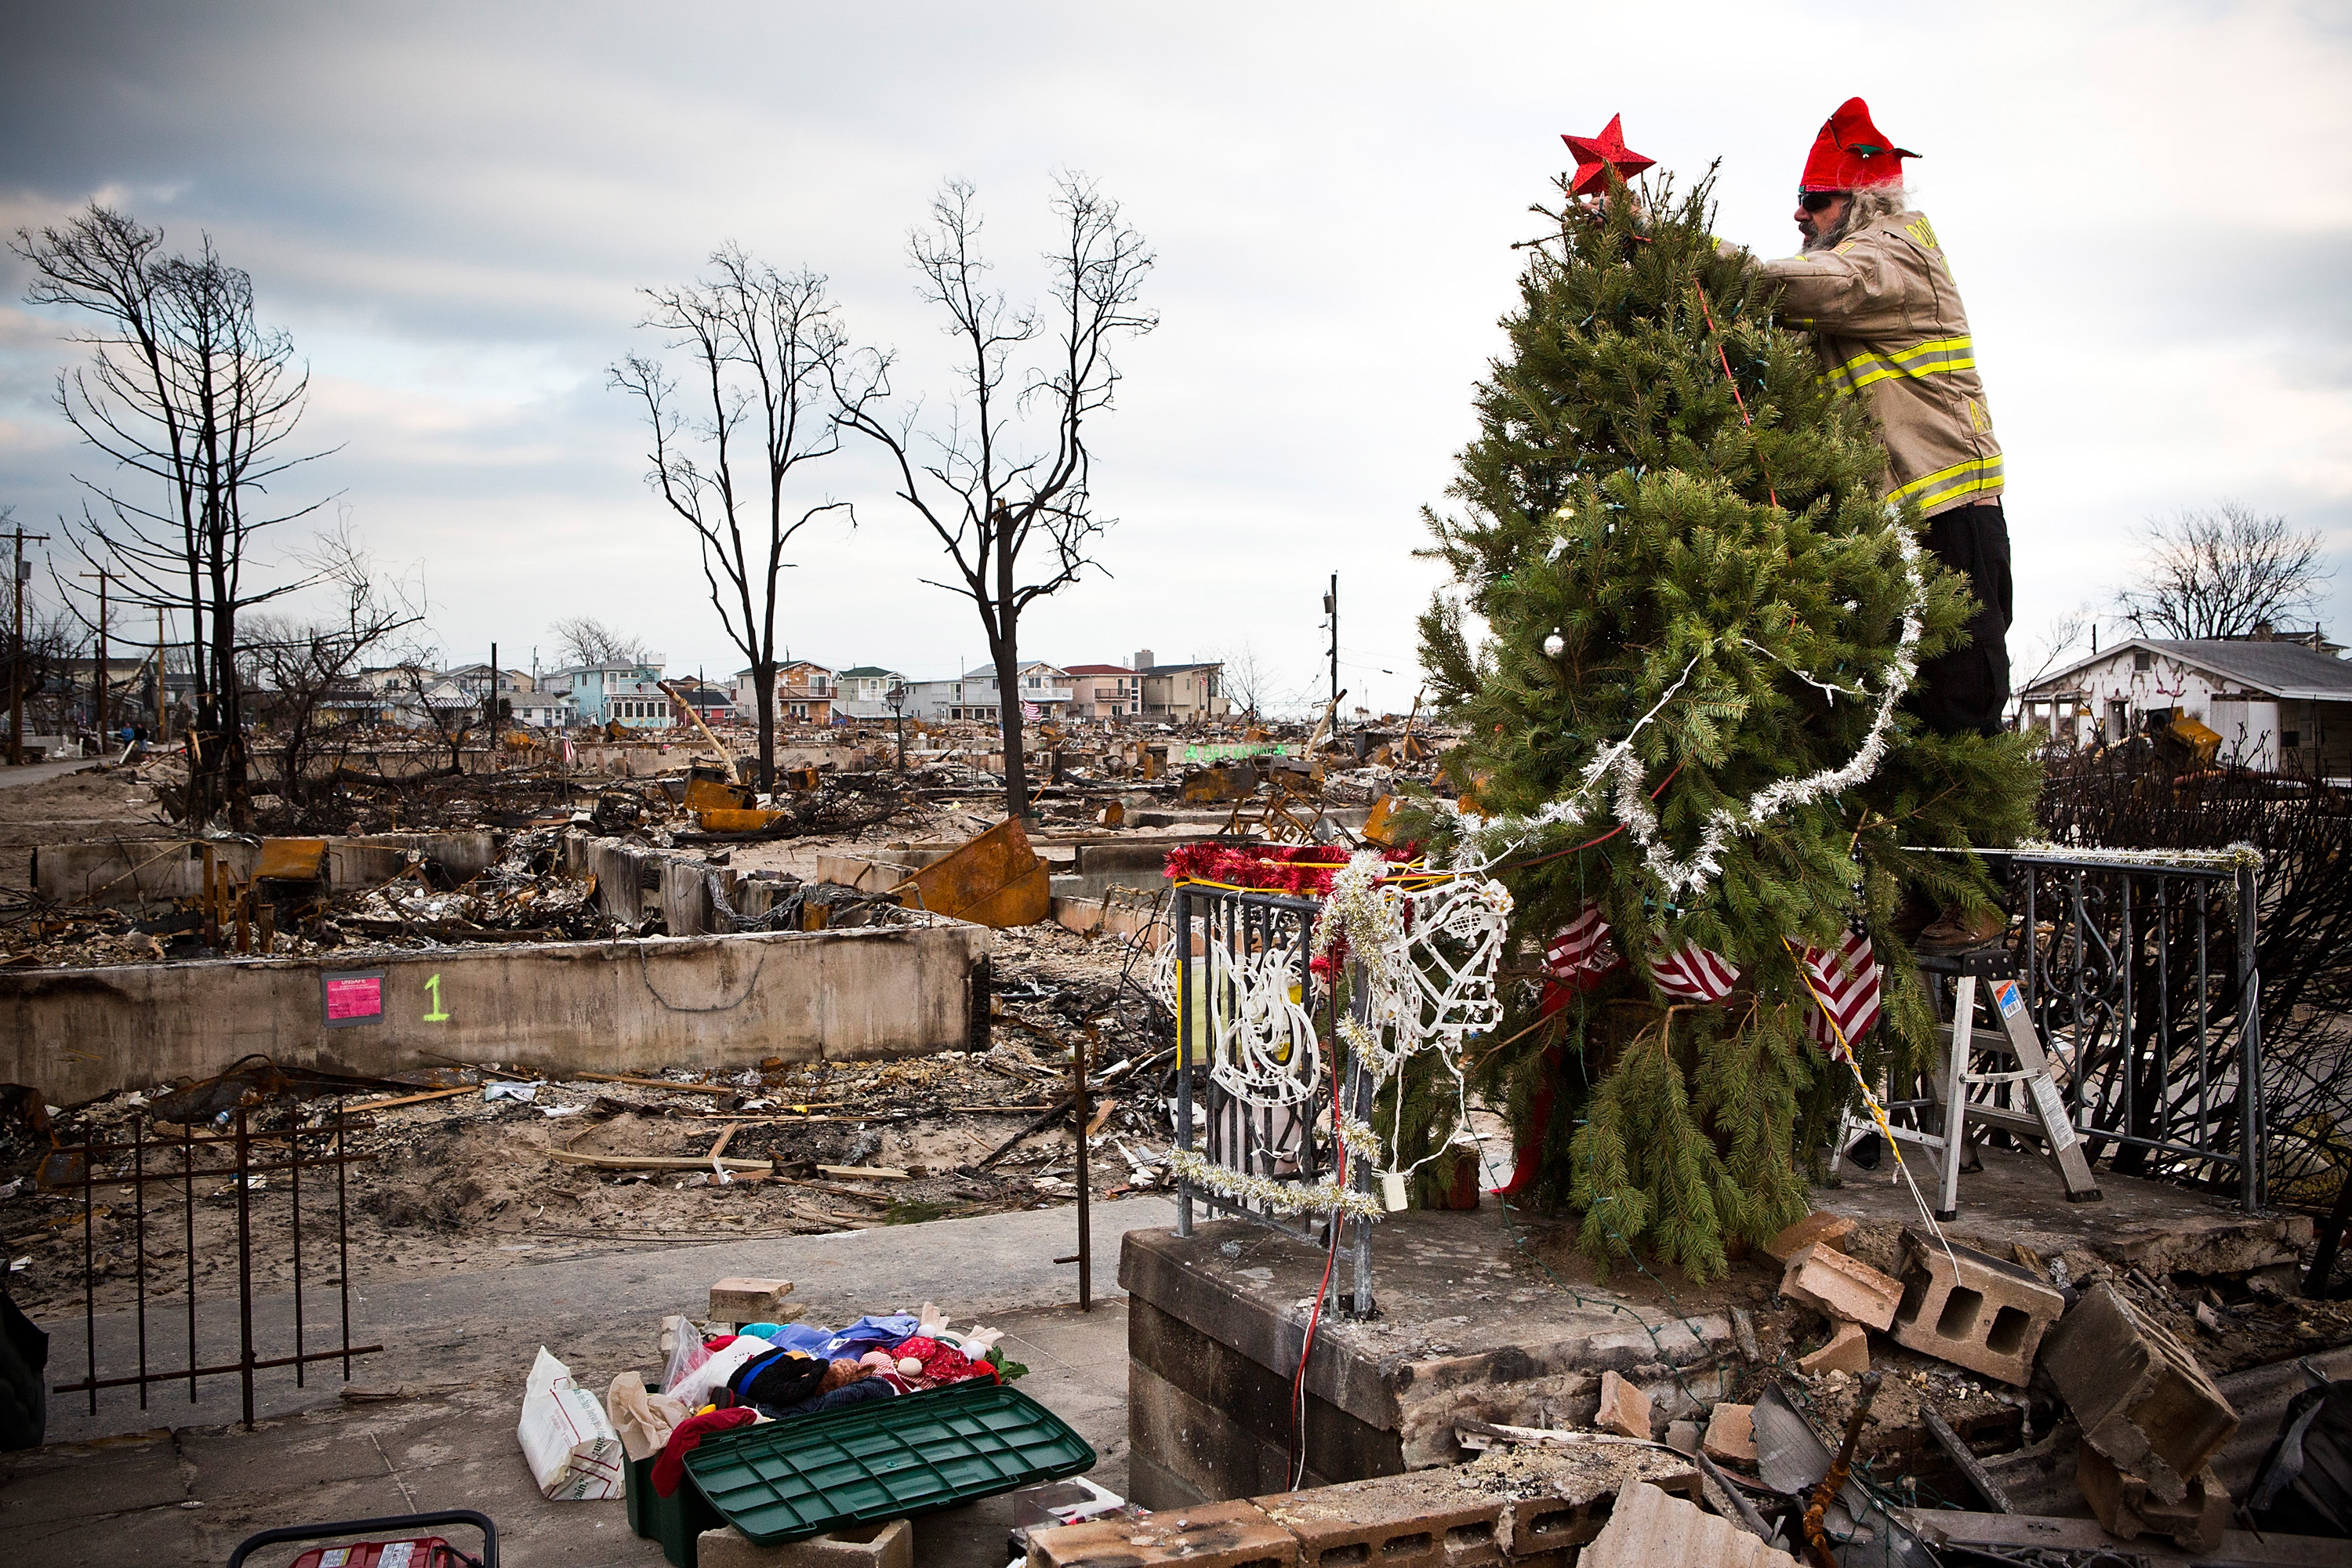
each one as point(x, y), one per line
point(1266, 1052)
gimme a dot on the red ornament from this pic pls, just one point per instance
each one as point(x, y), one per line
point(1595, 156)
point(1852, 154)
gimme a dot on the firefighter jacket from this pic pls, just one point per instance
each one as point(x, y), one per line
point(1887, 319)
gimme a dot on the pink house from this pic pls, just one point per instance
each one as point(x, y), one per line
point(1106, 692)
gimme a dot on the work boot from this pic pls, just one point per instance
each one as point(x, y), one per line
point(1911, 917)
point(1954, 931)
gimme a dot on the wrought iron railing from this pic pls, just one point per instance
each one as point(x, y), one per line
point(2143, 980)
point(1226, 942)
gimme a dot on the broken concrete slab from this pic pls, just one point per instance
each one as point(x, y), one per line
point(1973, 1309)
point(1820, 1277)
point(738, 1300)
point(1647, 1529)
point(890, 1544)
point(2140, 1394)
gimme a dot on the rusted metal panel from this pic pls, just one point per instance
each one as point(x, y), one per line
point(1222, 782)
point(710, 789)
point(729, 819)
point(996, 879)
point(292, 860)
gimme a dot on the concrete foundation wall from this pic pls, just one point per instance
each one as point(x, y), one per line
point(618, 1006)
point(141, 873)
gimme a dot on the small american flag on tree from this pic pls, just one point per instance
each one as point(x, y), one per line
point(1695, 975)
point(1845, 978)
point(1581, 951)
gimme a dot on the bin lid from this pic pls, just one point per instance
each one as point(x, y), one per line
point(883, 1458)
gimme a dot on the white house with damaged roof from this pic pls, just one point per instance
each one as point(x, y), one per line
point(2280, 704)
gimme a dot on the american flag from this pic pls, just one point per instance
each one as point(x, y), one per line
point(1694, 974)
point(1846, 977)
point(1582, 952)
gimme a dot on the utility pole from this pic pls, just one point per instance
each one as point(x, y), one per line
point(16, 655)
point(101, 682)
point(491, 713)
point(1331, 609)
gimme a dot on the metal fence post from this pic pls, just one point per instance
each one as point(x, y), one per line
point(1184, 1051)
point(2250, 1044)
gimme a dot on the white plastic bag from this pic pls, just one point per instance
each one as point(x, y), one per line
point(573, 1452)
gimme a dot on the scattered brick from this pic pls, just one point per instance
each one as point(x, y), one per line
point(1647, 1529)
point(1683, 1436)
point(2127, 1509)
point(1820, 1277)
point(1624, 1408)
point(1848, 1350)
point(1731, 1435)
point(1973, 1309)
point(2140, 1396)
point(1209, 1535)
point(1829, 1229)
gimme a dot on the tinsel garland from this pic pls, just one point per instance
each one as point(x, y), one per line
point(1489, 839)
point(1264, 1191)
point(1303, 869)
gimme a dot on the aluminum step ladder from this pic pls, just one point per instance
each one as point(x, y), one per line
point(1994, 1069)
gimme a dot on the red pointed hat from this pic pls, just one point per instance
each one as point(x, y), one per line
point(1595, 156)
point(1851, 154)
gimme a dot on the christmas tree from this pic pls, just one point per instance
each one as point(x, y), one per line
point(1681, 623)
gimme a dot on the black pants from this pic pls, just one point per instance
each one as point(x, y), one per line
point(1961, 692)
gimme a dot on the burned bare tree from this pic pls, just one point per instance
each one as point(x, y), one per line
point(761, 346)
point(305, 674)
point(587, 640)
point(2222, 572)
point(1000, 504)
point(195, 403)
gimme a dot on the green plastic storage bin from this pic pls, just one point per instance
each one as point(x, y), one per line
point(882, 1459)
point(676, 1520)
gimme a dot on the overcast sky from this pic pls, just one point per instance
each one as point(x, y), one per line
point(450, 206)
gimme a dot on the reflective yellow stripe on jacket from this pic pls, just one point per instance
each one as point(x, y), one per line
point(1949, 484)
point(1937, 356)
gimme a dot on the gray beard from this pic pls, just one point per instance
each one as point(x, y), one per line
point(1821, 239)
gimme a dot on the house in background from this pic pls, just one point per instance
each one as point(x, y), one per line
point(536, 710)
point(1106, 692)
point(863, 691)
point(2280, 705)
point(805, 693)
point(1176, 693)
point(629, 695)
point(474, 679)
point(713, 706)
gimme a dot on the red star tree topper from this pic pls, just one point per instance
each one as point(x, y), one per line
point(1597, 154)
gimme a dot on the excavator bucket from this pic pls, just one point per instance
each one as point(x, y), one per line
point(996, 879)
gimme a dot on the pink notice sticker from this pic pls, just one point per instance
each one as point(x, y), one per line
point(360, 997)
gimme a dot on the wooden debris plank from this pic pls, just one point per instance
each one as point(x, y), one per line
point(655, 1162)
point(865, 1172)
point(412, 1099)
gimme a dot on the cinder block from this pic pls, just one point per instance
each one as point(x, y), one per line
point(2139, 1394)
point(2127, 1509)
point(1421, 1520)
point(1565, 1516)
point(1820, 1277)
point(1209, 1535)
point(1731, 1434)
point(1829, 1229)
point(890, 1544)
point(1986, 1314)
point(1848, 1350)
point(1647, 1529)
point(749, 1300)
point(1624, 1408)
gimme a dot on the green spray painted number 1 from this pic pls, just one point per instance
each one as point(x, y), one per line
point(437, 1015)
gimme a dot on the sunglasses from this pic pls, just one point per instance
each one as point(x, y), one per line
point(1818, 201)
